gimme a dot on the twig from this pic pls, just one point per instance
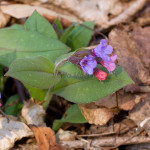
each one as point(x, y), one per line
point(10, 104)
point(107, 142)
point(96, 135)
point(4, 115)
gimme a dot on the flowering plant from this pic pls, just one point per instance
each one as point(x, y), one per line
point(88, 64)
point(39, 57)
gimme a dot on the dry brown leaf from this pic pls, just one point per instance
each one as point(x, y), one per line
point(96, 115)
point(12, 131)
point(143, 17)
point(104, 13)
point(123, 127)
point(133, 53)
point(21, 11)
point(122, 100)
point(65, 135)
point(141, 114)
point(3, 19)
point(45, 138)
point(33, 113)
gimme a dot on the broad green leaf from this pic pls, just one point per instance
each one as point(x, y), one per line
point(22, 43)
point(39, 24)
point(71, 70)
point(61, 60)
point(72, 115)
point(36, 93)
point(36, 72)
point(15, 108)
point(16, 26)
point(79, 36)
point(88, 88)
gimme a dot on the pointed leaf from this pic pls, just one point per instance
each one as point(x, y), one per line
point(88, 88)
point(72, 115)
point(36, 72)
point(22, 43)
point(71, 70)
point(15, 108)
point(36, 93)
point(39, 24)
point(58, 24)
point(79, 36)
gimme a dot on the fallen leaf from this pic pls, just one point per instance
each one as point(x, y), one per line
point(104, 13)
point(12, 131)
point(121, 100)
point(143, 17)
point(65, 135)
point(132, 48)
point(22, 11)
point(140, 114)
point(122, 127)
point(45, 138)
point(33, 113)
point(3, 19)
point(96, 115)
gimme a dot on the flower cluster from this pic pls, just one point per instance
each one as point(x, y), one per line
point(99, 55)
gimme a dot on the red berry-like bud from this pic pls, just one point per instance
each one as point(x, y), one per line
point(100, 75)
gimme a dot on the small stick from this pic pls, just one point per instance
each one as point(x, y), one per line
point(4, 115)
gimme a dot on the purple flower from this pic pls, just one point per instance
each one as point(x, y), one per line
point(102, 50)
point(88, 64)
point(110, 65)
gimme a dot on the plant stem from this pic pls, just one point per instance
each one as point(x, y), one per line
point(47, 98)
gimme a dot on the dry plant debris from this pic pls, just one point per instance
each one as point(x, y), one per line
point(105, 13)
point(96, 115)
point(3, 19)
point(22, 11)
point(12, 131)
point(45, 138)
point(131, 44)
point(33, 113)
point(140, 114)
point(132, 49)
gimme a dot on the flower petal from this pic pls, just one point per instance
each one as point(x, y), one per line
point(89, 70)
point(108, 49)
point(113, 57)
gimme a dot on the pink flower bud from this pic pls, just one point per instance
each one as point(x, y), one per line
point(100, 75)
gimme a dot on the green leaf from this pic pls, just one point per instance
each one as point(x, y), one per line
point(36, 93)
point(36, 72)
point(1, 77)
point(88, 88)
point(72, 115)
point(22, 43)
point(16, 26)
point(58, 24)
point(71, 70)
point(15, 108)
point(65, 35)
point(39, 24)
point(78, 36)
